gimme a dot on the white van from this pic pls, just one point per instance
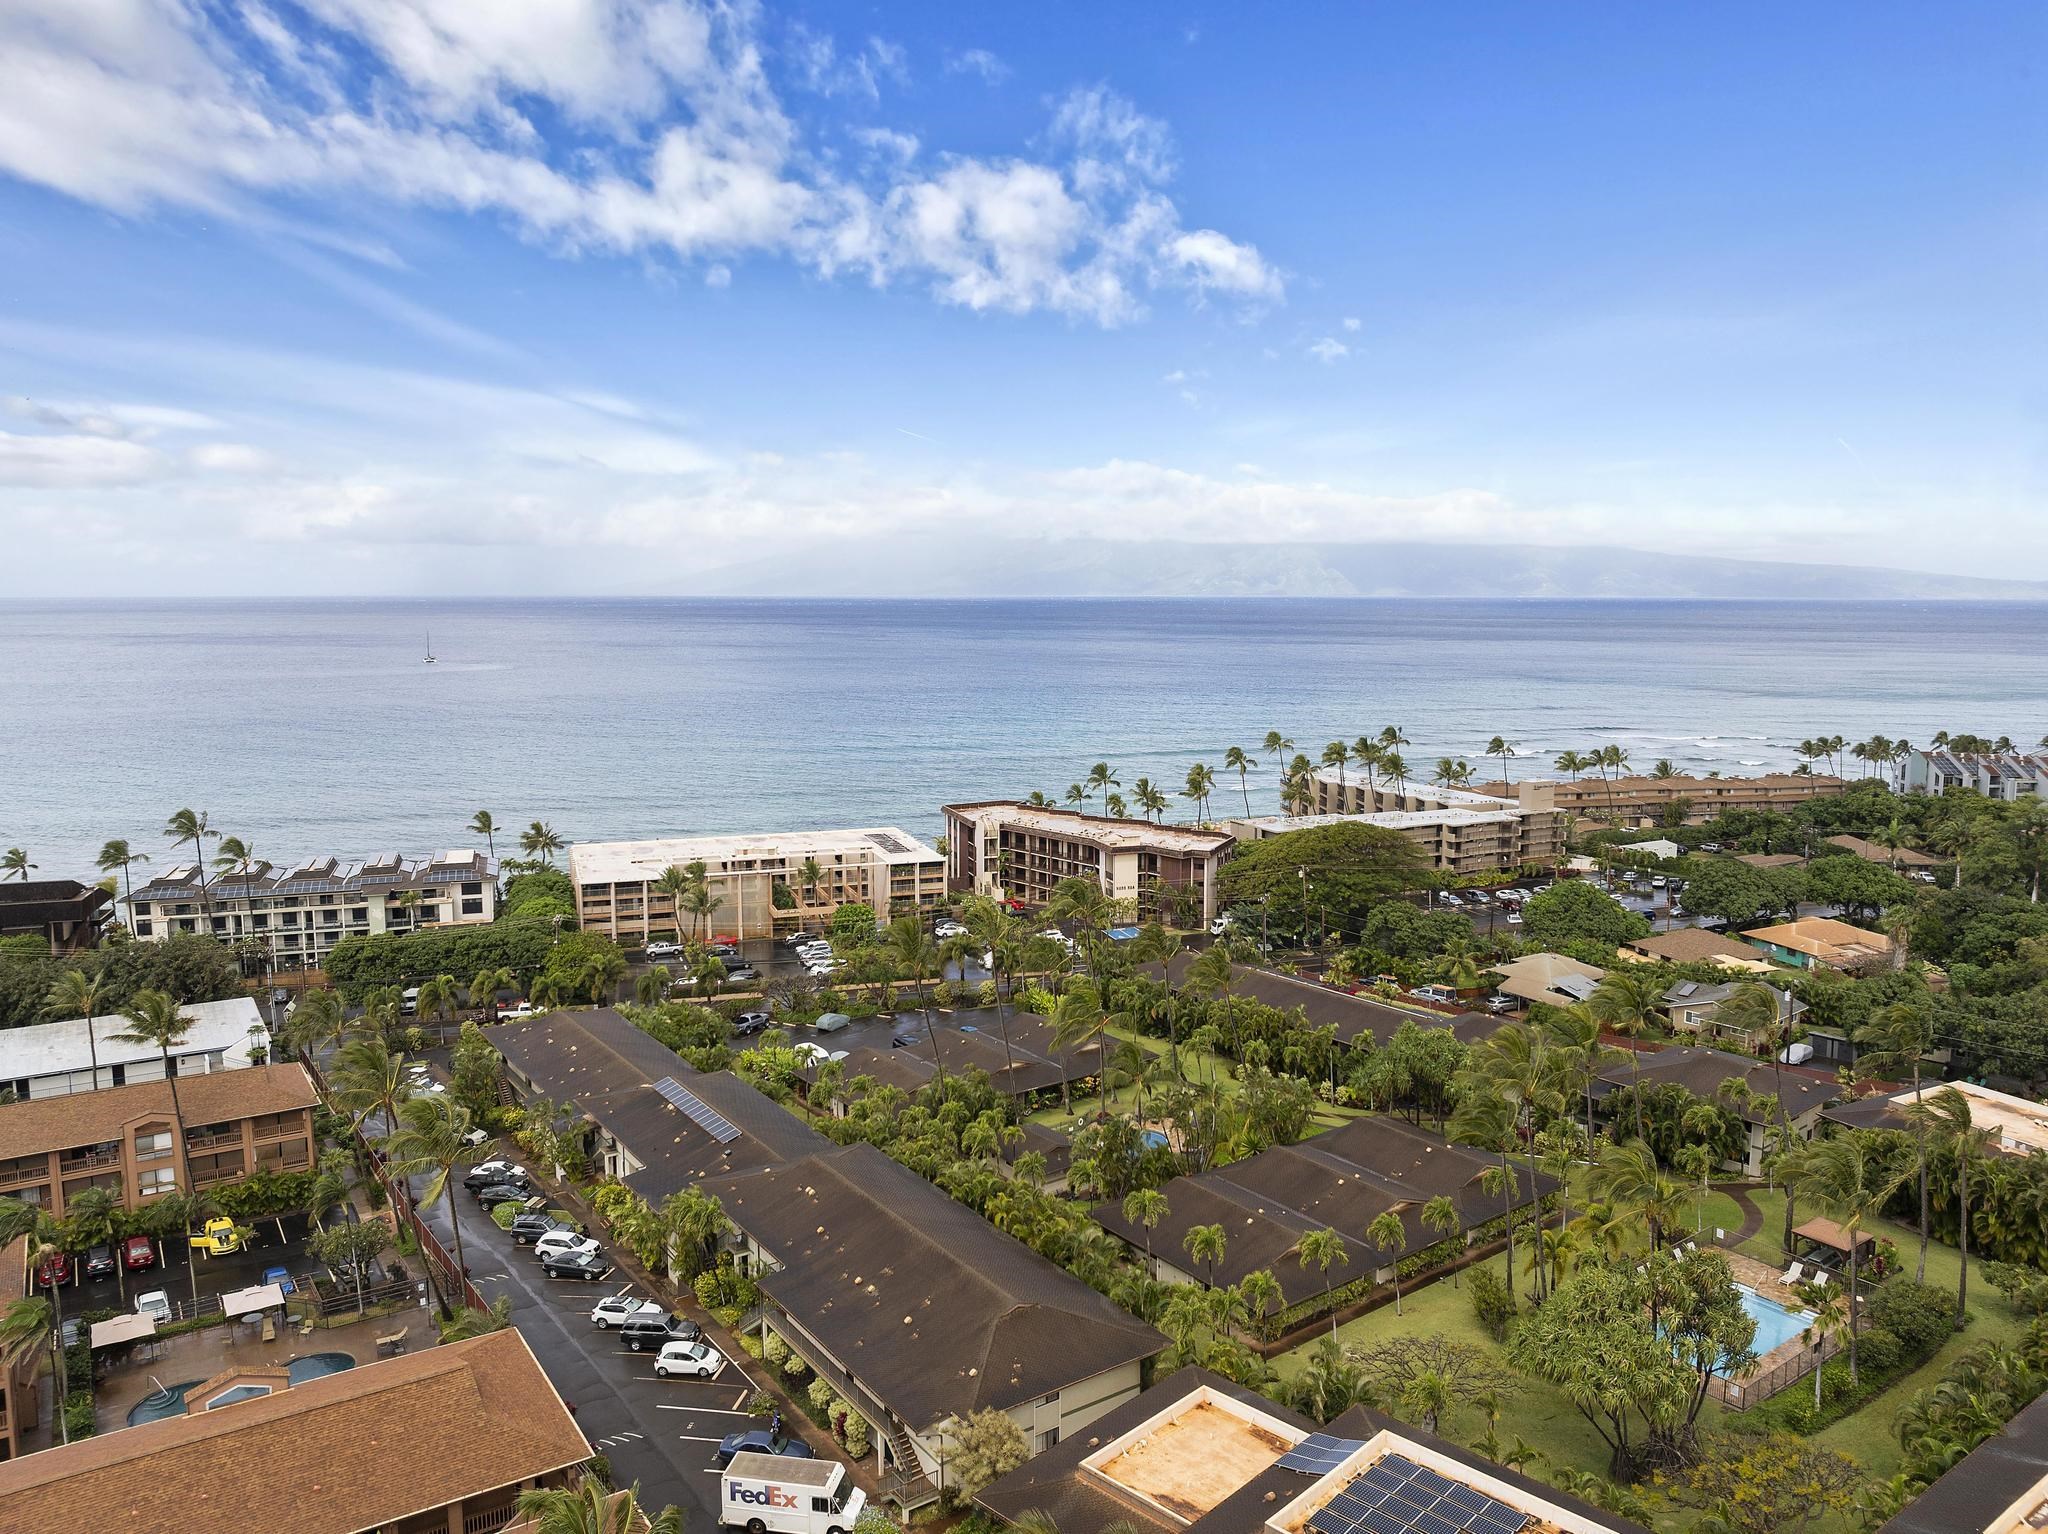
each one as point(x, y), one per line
point(759, 1492)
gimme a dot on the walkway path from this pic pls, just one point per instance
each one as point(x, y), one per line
point(1752, 1217)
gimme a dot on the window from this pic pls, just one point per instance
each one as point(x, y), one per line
point(473, 887)
point(472, 908)
point(153, 1147)
point(157, 1179)
point(142, 929)
point(1048, 1438)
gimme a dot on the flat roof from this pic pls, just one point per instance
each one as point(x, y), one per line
point(1393, 820)
point(631, 862)
point(43, 1049)
point(1187, 1459)
point(2021, 1124)
point(1119, 835)
point(1438, 791)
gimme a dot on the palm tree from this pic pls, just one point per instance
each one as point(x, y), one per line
point(483, 990)
point(90, 1216)
point(1452, 772)
point(1101, 780)
point(1235, 760)
point(1851, 1178)
point(369, 1080)
point(27, 1326)
point(592, 1507)
point(911, 951)
point(481, 824)
point(1627, 1177)
point(1388, 1235)
point(1077, 796)
point(1149, 797)
point(79, 994)
point(1505, 749)
point(1205, 1244)
point(1368, 753)
point(652, 986)
point(235, 855)
point(118, 854)
point(190, 826)
point(675, 883)
point(437, 997)
point(1830, 1320)
point(1440, 1214)
point(1626, 1002)
point(539, 839)
point(1322, 1250)
point(153, 1019)
point(1336, 754)
point(432, 1137)
point(702, 904)
point(1261, 1291)
point(1947, 1113)
point(14, 864)
point(1201, 782)
point(1395, 766)
point(1114, 807)
point(470, 1322)
point(1145, 1208)
point(1078, 1023)
point(1280, 748)
point(1392, 738)
point(1572, 763)
point(1902, 1033)
point(321, 1017)
point(1664, 768)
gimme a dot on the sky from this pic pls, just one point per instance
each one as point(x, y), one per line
point(586, 296)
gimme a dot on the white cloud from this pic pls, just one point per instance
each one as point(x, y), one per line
point(1351, 322)
point(680, 146)
point(718, 276)
point(977, 61)
point(231, 458)
point(1328, 350)
point(69, 459)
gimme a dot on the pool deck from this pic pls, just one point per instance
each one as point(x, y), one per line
point(1763, 1278)
point(202, 1354)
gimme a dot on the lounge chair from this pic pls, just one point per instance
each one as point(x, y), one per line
point(1820, 1278)
point(1794, 1274)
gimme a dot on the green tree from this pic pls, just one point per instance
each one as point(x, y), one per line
point(1101, 780)
point(351, 1248)
point(1946, 1115)
point(1506, 750)
point(539, 840)
point(432, 1139)
point(81, 993)
point(981, 1448)
point(154, 1020)
point(1629, 1002)
point(27, 1326)
point(1145, 1208)
point(190, 826)
point(915, 956)
point(484, 988)
point(1352, 865)
point(1280, 748)
point(1205, 1244)
point(437, 998)
point(116, 856)
point(470, 1322)
point(1897, 1038)
point(1851, 1177)
point(1322, 1250)
point(592, 1507)
point(481, 824)
point(1237, 760)
point(1388, 1235)
point(1575, 912)
point(474, 1066)
point(14, 864)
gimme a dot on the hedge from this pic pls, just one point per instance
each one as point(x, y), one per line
point(359, 964)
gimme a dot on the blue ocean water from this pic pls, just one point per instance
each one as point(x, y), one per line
point(314, 726)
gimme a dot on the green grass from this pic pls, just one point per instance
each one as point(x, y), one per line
point(1199, 1066)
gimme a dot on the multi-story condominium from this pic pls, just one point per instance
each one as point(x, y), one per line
point(1640, 801)
point(125, 1139)
point(86, 1054)
point(300, 913)
point(766, 884)
point(67, 915)
point(1458, 831)
point(2006, 775)
point(1022, 851)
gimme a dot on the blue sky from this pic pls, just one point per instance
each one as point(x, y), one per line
point(576, 295)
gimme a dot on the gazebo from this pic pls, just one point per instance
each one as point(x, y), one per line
point(1823, 1232)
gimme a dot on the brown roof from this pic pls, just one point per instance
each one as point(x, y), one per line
point(336, 1455)
point(1694, 945)
point(1770, 859)
point(89, 1118)
point(1877, 852)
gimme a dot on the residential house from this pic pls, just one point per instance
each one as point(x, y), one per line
point(1200, 1454)
point(1342, 1179)
point(1696, 945)
point(1775, 1093)
point(53, 1059)
point(69, 916)
point(2019, 1125)
point(436, 1442)
point(919, 1312)
point(763, 884)
point(1550, 978)
point(1821, 942)
point(1022, 852)
point(1890, 857)
point(126, 1139)
point(1693, 1007)
point(2003, 775)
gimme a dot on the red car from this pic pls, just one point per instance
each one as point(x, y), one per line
point(53, 1270)
point(138, 1253)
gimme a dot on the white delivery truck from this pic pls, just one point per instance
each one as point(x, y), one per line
point(763, 1492)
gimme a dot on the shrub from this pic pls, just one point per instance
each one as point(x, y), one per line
point(777, 1350)
point(1920, 1316)
point(750, 1345)
point(78, 1415)
point(858, 1436)
point(821, 1394)
point(1492, 1305)
point(1878, 1352)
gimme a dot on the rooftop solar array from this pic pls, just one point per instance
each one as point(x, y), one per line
point(886, 842)
point(697, 1111)
point(1319, 1454)
point(1398, 1496)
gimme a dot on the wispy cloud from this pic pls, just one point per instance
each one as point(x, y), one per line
point(1328, 350)
point(978, 61)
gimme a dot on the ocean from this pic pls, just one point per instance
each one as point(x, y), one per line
point(315, 726)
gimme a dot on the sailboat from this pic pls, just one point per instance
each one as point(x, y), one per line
point(430, 647)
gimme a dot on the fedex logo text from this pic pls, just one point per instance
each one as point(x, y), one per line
point(766, 1496)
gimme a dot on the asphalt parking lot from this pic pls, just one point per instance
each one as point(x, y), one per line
point(217, 1275)
point(661, 1433)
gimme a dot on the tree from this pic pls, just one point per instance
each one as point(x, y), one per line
point(1145, 1208)
point(90, 1219)
point(1280, 748)
point(1899, 1037)
point(1336, 754)
point(981, 1448)
point(27, 1326)
point(1322, 1250)
point(117, 855)
point(470, 1322)
point(190, 826)
point(539, 840)
point(911, 949)
point(437, 998)
point(474, 1066)
point(1236, 760)
point(1200, 784)
point(352, 1248)
point(154, 1019)
point(1425, 1377)
point(1629, 1002)
point(1830, 1321)
point(1626, 1177)
point(1205, 1244)
point(1575, 912)
point(1388, 1235)
point(1440, 1214)
point(1947, 1115)
point(484, 988)
point(432, 1138)
point(592, 1507)
point(1851, 1177)
point(1350, 864)
point(1101, 779)
point(853, 923)
point(1775, 1484)
point(14, 864)
point(79, 993)
point(1506, 750)
point(481, 824)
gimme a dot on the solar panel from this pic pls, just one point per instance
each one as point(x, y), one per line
point(697, 1111)
point(1319, 1454)
point(1324, 1521)
point(1395, 1495)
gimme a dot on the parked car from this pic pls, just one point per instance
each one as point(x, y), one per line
point(1433, 993)
point(825, 966)
point(662, 950)
point(589, 1266)
point(1659, 882)
point(948, 928)
point(154, 1303)
point(138, 1253)
point(1222, 924)
point(832, 1022)
point(643, 1332)
point(529, 1227)
point(818, 1054)
point(798, 938)
point(699, 1360)
point(517, 1012)
point(1447, 898)
point(742, 972)
point(1500, 1004)
point(617, 1309)
point(281, 1278)
point(904, 1039)
point(497, 1169)
point(749, 1023)
point(560, 1241)
point(725, 950)
point(493, 1194)
point(1514, 918)
point(759, 1440)
point(54, 1269)
point(100, 1262)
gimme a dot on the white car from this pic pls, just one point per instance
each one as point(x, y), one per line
point(660, 950)
point(817, 1054)
point(949, 929)
point(615, 1309)
point(698, 1359)
point(825, 966)
point(559, 1242)
point(517, 1013)
point(155, 1303)
point(1514, 918)
point(1222, 924)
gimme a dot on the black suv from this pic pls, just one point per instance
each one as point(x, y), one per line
point(99, 1262)
point(532, 1225)
point(653, 1331)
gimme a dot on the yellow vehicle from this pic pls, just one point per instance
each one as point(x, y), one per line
point(220, 1238)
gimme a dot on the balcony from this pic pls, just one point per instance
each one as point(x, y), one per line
point(28, 1169)
point(214, 1141)
point(93, 1161)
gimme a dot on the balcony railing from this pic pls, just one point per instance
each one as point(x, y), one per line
point(212, 1141)
point(14, 1177)
point(487, 1520)
point(69, 1165)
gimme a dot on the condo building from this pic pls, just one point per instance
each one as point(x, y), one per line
point(1021, 852)
point(300, 913)
point(1641, 801)
point(1457, 830)
point(763, 884)
point(2006, 775)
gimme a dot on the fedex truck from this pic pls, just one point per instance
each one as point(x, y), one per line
point(763, 1492)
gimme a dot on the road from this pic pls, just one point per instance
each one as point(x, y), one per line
point(661, 1433)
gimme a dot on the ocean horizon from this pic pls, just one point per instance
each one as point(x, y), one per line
point(313, 725)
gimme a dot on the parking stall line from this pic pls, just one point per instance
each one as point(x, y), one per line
point(699, 1438)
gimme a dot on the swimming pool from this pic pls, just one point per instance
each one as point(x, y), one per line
point(1775, 1324)
point(164, 1401)
point(314, 1365)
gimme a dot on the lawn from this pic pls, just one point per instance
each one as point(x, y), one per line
point(1198, 1065)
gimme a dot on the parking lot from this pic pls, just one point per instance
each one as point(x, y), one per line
point(267, 1248)
point(660, 1432)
